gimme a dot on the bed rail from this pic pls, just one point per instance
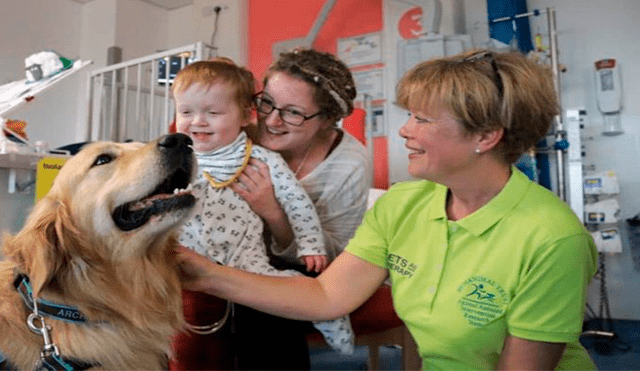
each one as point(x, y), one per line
point(132, 100)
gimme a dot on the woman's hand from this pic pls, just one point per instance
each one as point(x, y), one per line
point(315, 263)
point(194, 268)
point(254, 186)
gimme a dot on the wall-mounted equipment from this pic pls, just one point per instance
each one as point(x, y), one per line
point(176, 63)
point(609, 94)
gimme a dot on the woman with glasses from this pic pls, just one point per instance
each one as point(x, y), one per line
point(305, 94)
point(489, 270)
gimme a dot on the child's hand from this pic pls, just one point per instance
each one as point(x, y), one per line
point(315, 263)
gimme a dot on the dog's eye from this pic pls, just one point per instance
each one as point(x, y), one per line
point(103, 159)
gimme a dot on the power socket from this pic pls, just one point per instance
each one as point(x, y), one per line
point(210, 10)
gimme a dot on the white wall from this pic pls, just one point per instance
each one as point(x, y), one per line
point(33, 28)
point(149, 24)
point(589, 30)
point(196, 23)
point(27, 27)
point(181, 27)
point(138, 28)
point(98, 30)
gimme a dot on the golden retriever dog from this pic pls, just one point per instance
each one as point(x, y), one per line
point(96, 254)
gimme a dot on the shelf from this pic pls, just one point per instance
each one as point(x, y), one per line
point(19, 160)
point(13, 156)
point(21, 92)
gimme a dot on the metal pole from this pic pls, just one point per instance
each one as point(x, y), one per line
point(164, 125)
point(152, 96)
point(123, 132)
point(138, 98)
point(559, 129)
point(113, 116)
point(317, 24)
point(536, 12)
point(101, 108)
point(90, 79)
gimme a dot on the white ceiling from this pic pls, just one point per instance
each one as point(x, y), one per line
point(165, 4)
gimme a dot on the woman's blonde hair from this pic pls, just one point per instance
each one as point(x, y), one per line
point(218, 70)
point(487, 91)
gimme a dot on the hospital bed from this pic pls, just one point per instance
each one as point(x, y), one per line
point(132, 100)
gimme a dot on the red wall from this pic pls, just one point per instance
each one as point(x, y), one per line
point(276, 20)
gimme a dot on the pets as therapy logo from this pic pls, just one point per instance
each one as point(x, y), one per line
point(482, 300)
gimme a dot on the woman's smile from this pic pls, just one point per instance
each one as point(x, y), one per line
point(273, 131)
point(414, 152)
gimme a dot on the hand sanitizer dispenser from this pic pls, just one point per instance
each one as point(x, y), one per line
point(609, 94)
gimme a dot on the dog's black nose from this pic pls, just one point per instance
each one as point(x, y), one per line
point(175, 141)
point(176, 151)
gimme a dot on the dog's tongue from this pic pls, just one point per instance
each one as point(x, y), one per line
point(148, 202)
point(135, 214)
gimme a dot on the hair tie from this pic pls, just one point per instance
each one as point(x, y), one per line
point(328, 86)
point(340, 101)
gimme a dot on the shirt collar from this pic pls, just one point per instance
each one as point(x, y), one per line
point(491, 213)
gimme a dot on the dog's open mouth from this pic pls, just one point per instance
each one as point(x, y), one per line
point(172, 194)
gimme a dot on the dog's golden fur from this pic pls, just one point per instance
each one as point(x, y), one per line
point(124, 281)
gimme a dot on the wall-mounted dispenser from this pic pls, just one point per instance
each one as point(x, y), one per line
point(609, 94)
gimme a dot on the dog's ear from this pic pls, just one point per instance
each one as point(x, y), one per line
point(46, 244)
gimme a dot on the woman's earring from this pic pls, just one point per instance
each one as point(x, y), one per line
point(477, 150)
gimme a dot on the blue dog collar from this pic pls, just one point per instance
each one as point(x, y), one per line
point(45, 307)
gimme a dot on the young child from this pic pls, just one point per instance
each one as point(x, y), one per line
point(214, 101)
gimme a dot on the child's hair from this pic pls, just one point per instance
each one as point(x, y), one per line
point(218, 70)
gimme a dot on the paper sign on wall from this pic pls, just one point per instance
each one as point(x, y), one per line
point(46, 171)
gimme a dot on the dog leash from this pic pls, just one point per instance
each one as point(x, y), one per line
point(212, 328)
point(50, 359)
point(5, 365)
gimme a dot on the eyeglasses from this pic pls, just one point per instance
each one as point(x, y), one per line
point(288, 115)
point(491, 58)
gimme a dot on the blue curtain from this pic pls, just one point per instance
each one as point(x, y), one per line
point(504, 31)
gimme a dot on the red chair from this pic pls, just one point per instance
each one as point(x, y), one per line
point(376, 324)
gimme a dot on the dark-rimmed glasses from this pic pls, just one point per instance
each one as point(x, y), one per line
point(287, 115)
point(490, 56)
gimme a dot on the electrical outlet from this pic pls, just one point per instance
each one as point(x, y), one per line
point(210, 10)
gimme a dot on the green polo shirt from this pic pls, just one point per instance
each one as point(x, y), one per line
point(519, 265)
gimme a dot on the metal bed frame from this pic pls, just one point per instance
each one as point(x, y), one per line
point(132, 100)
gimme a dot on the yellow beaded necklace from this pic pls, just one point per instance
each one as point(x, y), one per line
point(245, 162)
